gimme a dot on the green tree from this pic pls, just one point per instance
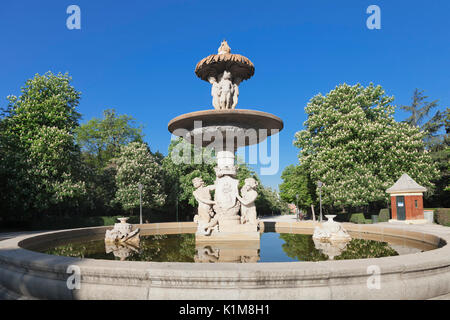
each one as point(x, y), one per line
point(181, 165)
point(296, 182)
point(136, 164)
point(101, 139)
point(447, 152)
point(269, 202)
point(440, 152)
point(419, 110)
point(353, 144)
point(40, 164)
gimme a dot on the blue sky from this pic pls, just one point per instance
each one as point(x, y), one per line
point(139, 56)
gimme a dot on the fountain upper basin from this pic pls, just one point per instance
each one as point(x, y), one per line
point(202, 127)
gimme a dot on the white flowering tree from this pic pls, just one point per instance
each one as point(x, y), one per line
point(40, 165)
point(352, 143)
point(136, 164)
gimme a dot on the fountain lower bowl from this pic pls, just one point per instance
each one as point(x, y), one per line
point(25, 274)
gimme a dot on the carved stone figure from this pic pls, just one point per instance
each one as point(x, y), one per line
point(226, 91)
point(331, 231)
point(224, 48)
point(249, 195)
point(236, 83)
point(226, 192)
point(225, 71)
point(202, 194)
point(215, 92)
point(122, 233)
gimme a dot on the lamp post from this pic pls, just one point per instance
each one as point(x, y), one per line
point(319, 185)
point(140, 186)
point(296, 197)
point(176, 200)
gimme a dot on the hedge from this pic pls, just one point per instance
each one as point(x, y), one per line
point(384, 215)
point(442, 216)
point(358, 218)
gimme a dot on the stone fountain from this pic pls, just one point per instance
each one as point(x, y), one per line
point(231, 215)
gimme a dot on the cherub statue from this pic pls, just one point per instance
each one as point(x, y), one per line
point(226, 89)
point(249, 195)
point(236, 83)
point(202, 194)
point(215, 92)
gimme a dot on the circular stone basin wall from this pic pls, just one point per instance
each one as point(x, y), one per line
point(28, 274)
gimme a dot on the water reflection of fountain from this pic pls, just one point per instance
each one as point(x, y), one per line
point(227, 252)
point(121, 250)
point(331, 238)
point(330, 248)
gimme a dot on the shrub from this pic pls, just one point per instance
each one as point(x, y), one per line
point(442, 216)
point(368, 221)
point(358, 218)
point(384, 215)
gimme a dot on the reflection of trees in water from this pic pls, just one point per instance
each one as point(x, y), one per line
point(302, 248)
point(364, 249)
point(159, 248)
point(90, 249)
point(181, 248)
point(166, 248)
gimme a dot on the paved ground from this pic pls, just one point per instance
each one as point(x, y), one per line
point(8, 235)
point(283, 218)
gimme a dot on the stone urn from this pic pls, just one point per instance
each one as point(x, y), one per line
point(123, 226)
point(331, 231)
point(122, 232)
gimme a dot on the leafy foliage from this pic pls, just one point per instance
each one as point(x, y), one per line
point(269, 202)
point(358, 218)
point(40, 164)
point(352, 143)
point(101, 139)
point(442, 216)
point(384, 215)
point(297, 182)
point(440, 153)
point(180, 168)
point(419, 110)
point(136, 164)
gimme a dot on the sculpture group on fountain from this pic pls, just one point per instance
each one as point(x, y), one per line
point(225, 91)
point(222, 213)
